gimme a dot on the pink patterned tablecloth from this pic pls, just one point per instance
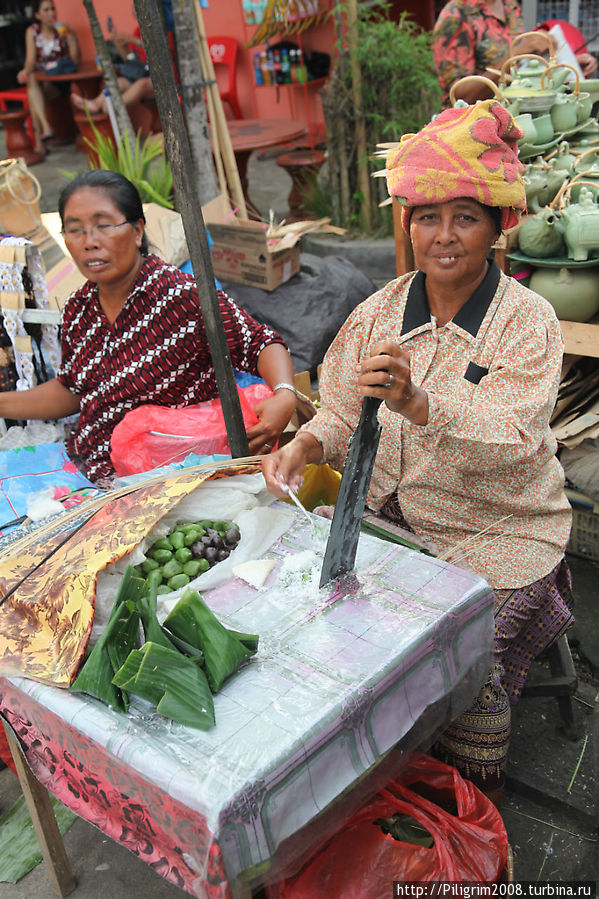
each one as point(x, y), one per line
point(340, 680)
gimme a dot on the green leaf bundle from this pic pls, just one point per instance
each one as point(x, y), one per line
point(153, 631)
point(172, 682)
point(191, 620)
point(119, 638)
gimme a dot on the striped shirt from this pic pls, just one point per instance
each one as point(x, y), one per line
point(155, 352)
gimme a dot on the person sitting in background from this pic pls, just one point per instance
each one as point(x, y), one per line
point(467, 363)
point(133, 75)
point(134, 334)
point(474, 37)
point(587, 62)
point(48, 48)
point(132, 91)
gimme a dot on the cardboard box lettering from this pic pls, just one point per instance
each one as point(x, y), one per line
point(241, 253)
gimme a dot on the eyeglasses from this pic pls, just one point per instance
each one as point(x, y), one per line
point(102, 230)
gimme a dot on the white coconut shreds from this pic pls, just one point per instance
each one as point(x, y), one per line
point(300, 573)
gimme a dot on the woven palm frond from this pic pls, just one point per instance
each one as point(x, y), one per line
point(287, 17)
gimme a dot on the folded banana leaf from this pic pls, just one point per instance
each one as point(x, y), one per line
point(173, 683)
point(192, 651)
point(124, 636)
point(153, 631)
point(191, 620)
point(250, 641)
point(114, 645)
point(406, 829)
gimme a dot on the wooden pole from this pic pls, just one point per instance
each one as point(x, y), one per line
point(43, 819)
point(340, 133)
point(404, 254)
point(192, 93)
point(363, 177)
point(220, 129)
point(120, 111)
point(189, 205)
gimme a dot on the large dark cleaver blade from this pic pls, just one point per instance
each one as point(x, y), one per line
point(342, 544)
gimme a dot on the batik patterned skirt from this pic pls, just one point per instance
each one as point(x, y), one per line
point(527, 621)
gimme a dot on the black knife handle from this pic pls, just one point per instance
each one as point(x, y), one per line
point(370, 406)
point(340, 553)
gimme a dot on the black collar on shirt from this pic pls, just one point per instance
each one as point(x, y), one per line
point(470, 316)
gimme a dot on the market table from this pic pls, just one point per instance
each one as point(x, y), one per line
point(59, 111)
point(343, 676)
point(248, 135)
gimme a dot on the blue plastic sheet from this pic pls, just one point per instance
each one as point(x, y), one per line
point(32, 469)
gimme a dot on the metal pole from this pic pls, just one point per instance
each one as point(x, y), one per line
point(112, 117)
point(188, 204)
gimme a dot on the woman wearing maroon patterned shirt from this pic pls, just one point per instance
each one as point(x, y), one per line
point(134, 332)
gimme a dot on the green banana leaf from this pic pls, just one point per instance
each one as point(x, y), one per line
point(172, 682)
point(250, 641)
point(153, 631)
point(191, 620)
point(95, 676)
point(124, 636)
point(405, 829)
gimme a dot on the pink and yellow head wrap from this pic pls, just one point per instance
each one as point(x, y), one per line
point(468, 151)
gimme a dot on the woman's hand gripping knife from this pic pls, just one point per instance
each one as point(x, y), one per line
point(386, 375)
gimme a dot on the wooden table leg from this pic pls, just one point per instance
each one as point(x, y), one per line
point(44, 822)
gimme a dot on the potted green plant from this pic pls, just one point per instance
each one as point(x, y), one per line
point(144, 163)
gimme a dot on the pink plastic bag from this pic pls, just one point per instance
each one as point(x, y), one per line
point(151, 436)
point(470, 841)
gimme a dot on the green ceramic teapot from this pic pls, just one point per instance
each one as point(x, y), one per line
point(564, 113)
point(581, 225)
point(540, 235)
point(564, 161)
point(528, 76)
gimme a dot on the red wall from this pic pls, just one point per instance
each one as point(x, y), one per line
point(422, 11)
point(225, 17)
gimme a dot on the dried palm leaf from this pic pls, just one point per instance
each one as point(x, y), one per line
point(287, 17)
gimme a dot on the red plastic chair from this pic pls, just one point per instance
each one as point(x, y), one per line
point(223, 52)
point(19, 94)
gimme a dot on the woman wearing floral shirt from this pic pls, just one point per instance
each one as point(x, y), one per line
point(468, 364)
point(471, 36)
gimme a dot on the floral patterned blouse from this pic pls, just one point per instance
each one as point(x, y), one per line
point(468, 37)
point(49, 51)
point(487, 451)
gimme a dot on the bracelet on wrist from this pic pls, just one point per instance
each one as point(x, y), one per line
point(284, 386)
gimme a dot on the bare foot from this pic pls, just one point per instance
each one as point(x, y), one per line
point(92, 106)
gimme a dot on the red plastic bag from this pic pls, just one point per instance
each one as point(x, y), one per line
point(362, 862)
point(151, 436)
point(5, 753)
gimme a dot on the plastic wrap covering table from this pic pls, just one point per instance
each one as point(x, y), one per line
point(341, 677)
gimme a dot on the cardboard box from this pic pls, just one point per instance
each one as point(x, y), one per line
point(241, 253)
point(63, 279)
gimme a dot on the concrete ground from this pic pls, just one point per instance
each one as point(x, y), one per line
point(550, 806)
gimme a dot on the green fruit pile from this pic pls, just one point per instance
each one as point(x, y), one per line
point(190, 550)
